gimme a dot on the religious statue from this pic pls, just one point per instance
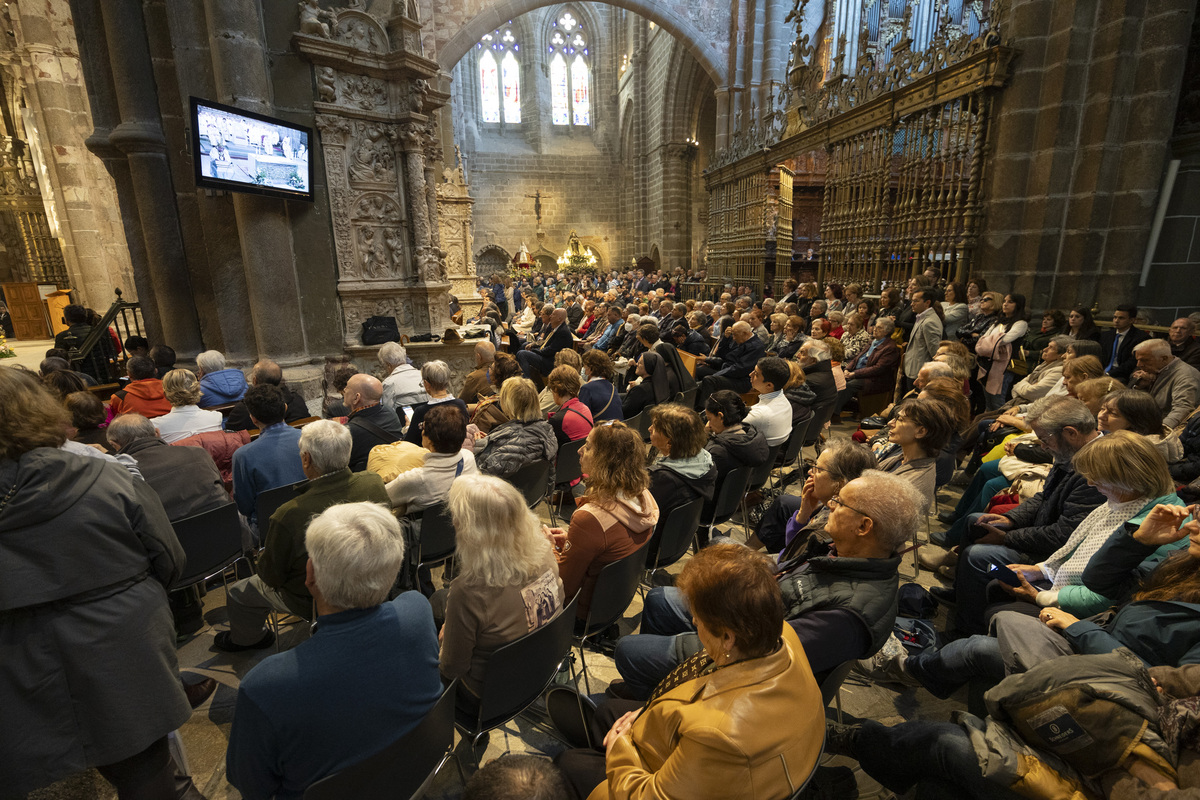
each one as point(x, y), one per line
point(326, 89)
point(373, 256)
point(310, 19)
point(395, 244)
point(372, 159)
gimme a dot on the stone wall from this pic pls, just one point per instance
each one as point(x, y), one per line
point(1080, 146)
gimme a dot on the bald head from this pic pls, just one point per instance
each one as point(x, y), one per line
point(742, 332)
point(362, 391)
point(558, 317)
point(129, 428)
point(266, 371)
point(485, 353)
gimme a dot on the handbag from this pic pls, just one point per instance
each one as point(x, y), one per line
point(379, 330)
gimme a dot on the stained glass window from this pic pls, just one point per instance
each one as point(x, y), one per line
point(500, 81)
point(570, 86)
point(560, 90)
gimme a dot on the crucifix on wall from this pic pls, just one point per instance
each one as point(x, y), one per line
point(537, 205)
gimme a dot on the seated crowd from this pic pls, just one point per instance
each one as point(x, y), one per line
point(619, 403)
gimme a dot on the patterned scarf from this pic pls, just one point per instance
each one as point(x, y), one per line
point(697, 666)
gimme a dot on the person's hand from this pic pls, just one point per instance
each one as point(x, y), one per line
point(995, 426)
point(1010, 447)
point(620, 728)
point(441, 632)
point(993, 536)
point(998, 521)
point(808, 500)
point(1025, 591)
point(1140, 376)
point(1029, 571)
point(1057, 619)
point(1163, 525)
point(480, 435)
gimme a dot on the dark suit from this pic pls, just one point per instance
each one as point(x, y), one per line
point(574, 315)
point(879, 373)
point(542, 358)
point(695, 343)
point(1126, 363)
point(733, 371)
point(1188, 352)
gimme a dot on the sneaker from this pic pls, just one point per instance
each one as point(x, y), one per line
point(886, 666)
point(839, 738)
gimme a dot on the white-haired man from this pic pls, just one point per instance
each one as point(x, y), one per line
point(368, 675)
point(1173, 383)
point(402, 387)
point(218, 385)
point(280, 584)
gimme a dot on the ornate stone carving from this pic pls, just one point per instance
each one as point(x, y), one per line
point(360, 30)
point(377, 207)
point(310, 19)
point(371, 160)
point(364, 91)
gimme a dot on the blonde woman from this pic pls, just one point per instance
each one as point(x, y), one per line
point(186, 418)
point(525, 437)
point(507, 583)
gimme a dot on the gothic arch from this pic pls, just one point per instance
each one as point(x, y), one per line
point(491, 259)
point(488, 19)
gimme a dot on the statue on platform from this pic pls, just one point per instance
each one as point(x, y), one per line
point(326, 88)
point(373, 256)
point(310, 19)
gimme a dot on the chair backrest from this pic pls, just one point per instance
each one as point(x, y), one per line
point(566, 467)
point(530, 481)
point(759, 475)
point(212, 541)
point(268, 502)
point(730, 491)
point(834, 679)
point(438, 540)
point(404, 768)
point(614, 590)
point(689, 397)
point(821, 415)
point(795, 442)
point(635, 422)
point(517, 673)
point(689, 361)
point(676, 533)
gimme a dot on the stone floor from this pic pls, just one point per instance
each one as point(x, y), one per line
point(30, 352)
point(205, 735)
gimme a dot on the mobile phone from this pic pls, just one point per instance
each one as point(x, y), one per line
point(1004, 575)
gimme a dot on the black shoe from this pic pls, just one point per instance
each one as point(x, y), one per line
point(839, 738)
point(944, 595)
point(225, 644)
point(947, 518)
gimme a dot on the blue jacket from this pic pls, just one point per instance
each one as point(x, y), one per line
point(366, 677)
point(222, 386)
point(602, 399)
point(270, 461)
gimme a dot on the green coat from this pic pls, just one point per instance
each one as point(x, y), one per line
point(283, 562)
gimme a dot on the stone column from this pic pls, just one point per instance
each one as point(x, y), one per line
point(140, 137)
point(240, 70)
point(454, 222)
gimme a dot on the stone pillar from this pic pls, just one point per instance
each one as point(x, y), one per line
point(139, 136)
point(454, 222)
point(240, 71)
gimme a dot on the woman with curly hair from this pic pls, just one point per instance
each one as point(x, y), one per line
point(615, 517)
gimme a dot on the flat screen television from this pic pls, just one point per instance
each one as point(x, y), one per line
point(240, 151)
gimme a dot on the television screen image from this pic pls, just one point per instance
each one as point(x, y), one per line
point(245, 152)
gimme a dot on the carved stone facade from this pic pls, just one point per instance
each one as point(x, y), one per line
point(374, 106)
point(454, 204)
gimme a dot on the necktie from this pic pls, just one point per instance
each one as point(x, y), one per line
point(1116, 346)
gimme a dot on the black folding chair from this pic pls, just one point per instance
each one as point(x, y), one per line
point(566, 470)
point(821, 415)
point(675, 535)
point(212, 542)
point(635, 422)
point(689, 397)
point(730, 492)
point(612, 593)
point(758, 479)
point(437, 536)
point(516, 675)
point(792, 449)
point(268, 502)
point(530, 480)
point(404, 769)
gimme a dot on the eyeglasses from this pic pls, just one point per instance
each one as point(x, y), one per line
point(835, 502)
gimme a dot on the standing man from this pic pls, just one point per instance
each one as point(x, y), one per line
point(926, 333)
point(1116, 345)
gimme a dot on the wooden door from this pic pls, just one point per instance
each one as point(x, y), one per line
point(25, 308)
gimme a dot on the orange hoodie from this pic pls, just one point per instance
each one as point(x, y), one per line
point(145, 397)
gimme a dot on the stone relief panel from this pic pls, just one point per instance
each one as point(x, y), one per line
point(360, 30)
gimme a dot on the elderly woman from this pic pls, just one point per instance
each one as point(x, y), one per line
point(572, 419)
point(435, 376)
point(615, 517)
point(746, 712)
point(524, 438)
point(820, 328)
point(790, 520)
point(427, 485)
point(507, 584)
point(87, 643)
point(185, 418)
point(598, 392)
point(488, 411)
point(685, 471)
point(779, 337)
point(794, 337)
point(855, 339)
point(837, 320)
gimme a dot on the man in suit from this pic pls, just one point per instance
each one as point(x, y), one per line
point(642, 284)
point(477, 384)
point(926, 333)
point(538, 361)
point(874, 372)
point(732, 371)
point(1116, 344)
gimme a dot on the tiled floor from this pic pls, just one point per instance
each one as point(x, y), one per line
point(206, 734)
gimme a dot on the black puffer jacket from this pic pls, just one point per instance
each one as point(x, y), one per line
point(515, 444)
point(730, 449)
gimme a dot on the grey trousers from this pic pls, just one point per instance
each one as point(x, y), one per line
point(1026, 641)
point(249, 603)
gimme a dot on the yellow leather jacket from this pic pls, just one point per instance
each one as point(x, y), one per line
point(750, 731)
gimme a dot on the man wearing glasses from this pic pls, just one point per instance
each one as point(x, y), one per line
point(839, 592)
